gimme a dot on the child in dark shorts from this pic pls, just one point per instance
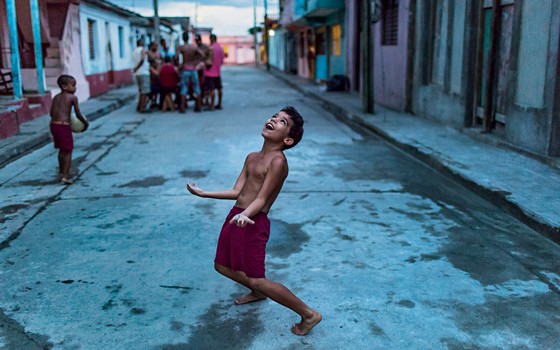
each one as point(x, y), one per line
point(240, 254)
point(61, 131)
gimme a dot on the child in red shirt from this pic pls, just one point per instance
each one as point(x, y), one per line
point(168, 79)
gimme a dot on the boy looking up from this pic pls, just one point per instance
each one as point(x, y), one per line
point(240, 254)
point(61, 131)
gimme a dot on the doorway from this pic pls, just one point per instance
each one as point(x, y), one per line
point(493, 64)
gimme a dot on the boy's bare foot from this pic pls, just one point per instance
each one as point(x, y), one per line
point(66, 181)
point(307, 324)
point(249, 298)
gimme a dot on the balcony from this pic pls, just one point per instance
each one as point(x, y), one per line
point(315, 11)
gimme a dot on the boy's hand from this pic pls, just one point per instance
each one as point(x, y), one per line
point(197, 191)
point(86, 126)
point(241, 220)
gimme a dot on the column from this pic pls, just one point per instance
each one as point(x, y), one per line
point(36, 25)
point(16, 68)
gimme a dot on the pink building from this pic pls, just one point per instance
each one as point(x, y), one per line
point(239, 49)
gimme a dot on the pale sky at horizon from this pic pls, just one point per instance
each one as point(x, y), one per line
point(226, 17)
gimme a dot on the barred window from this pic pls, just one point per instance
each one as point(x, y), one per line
point(91, 38)
point(389, 22)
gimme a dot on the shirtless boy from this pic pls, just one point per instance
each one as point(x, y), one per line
point(240, 254)
point(61, 109)
point(191, 56)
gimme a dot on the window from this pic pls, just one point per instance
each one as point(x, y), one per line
point(91, 37)
point(121, 42)
point(389, 22)
point(336, 49)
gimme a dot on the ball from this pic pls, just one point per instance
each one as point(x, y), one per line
point(76, 124)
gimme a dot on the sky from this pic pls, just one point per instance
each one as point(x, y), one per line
point(226, 17)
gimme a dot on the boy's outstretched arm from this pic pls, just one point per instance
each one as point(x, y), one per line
point(78, 113)
point(277, 173)
point(225, 194)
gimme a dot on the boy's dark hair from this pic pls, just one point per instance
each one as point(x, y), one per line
point(296, 130)
point(64, 80)
point(167, 59)
point(213, 37)
point(139, 41)
point(186, 37)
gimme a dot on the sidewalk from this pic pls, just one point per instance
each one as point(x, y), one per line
point(35, 133)
point(525, 187)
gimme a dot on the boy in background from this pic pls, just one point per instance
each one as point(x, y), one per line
point(61, 131)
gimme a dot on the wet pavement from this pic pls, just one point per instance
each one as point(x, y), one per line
point(395, 255)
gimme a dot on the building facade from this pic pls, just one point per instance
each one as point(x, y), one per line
point(491, 65)
point(312, 31)
point(487, 65)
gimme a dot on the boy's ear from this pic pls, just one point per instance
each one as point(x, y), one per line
point(288, 141)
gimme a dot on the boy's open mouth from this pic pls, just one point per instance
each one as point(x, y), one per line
point(269, 126)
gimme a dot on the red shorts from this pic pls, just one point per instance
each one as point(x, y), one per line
point(62, 135)
point(243, 248)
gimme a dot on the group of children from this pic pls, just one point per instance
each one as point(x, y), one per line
point(241, 249)
point(161, 80)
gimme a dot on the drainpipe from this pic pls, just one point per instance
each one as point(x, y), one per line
point(36, 24)
point(367, 58)
point(266, 34)
point(16, 70)
point(488, 122)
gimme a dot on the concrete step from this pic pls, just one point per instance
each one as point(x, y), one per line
point(53, 52)
point(54, 42)
point(51, 81)
point(52, 62)
point(53, 72)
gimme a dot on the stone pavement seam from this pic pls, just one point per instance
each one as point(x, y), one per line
point(496, 196)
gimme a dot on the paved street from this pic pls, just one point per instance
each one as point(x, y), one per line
point(394, 255)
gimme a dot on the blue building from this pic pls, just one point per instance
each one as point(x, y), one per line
point(309, 39)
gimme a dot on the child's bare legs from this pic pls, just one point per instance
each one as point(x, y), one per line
point(64, 163)
point(242, 279)
point(182, 103)
point(283, 296)
point(262, 288)
point(212, 98)
point(219, 105)
point(198, 103)
point(142, 102)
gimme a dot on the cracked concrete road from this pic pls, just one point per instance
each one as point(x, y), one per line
point(394, 255)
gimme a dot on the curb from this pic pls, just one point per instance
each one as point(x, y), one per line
point(497, 198)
